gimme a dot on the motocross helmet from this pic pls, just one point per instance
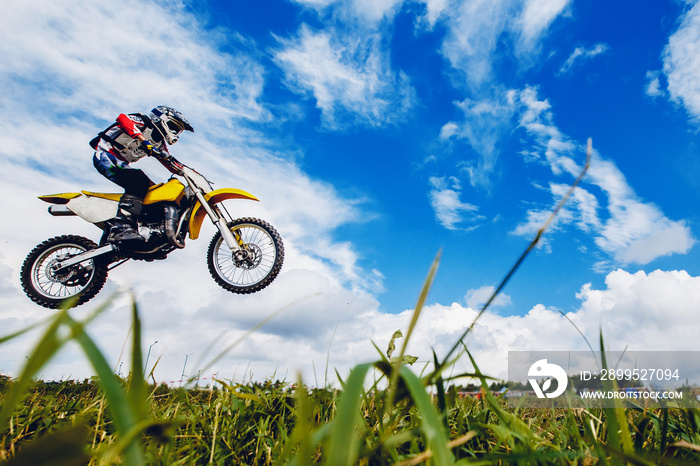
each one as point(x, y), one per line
point(169, 123)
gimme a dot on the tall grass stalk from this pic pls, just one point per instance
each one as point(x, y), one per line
point(535, 241)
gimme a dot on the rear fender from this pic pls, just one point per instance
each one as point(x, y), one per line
point(61, 198)
point(212, 198)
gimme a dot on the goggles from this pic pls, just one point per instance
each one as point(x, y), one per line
point(175, 126)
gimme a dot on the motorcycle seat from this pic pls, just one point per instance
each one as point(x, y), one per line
point(115, 196)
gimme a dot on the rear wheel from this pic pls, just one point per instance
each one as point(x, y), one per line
point(51, 287)
point(259, 264)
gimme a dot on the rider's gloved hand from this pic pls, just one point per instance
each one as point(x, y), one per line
point(150, 148)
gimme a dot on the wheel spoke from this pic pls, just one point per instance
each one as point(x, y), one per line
point(262, 255)
point(65, 284)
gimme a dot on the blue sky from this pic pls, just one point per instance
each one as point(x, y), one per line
point(435, 172)
point(377, 132)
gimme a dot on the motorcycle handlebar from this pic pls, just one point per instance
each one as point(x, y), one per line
point(170, 162)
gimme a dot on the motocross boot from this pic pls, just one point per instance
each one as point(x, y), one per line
point(125, 224)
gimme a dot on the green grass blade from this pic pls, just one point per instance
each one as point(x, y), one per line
point(46, 348)
point(421, 302)
point(138, 394)
point(514, 426)
point(117, 400)
point(344, 441)
point(49, 344)
point(431, 425)
point(398, 361)
point(618, 430)
point(519, 261)
point(301, 437)
point(63, 447)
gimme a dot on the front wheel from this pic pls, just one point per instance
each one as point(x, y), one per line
point(260, 261)
point(51, 287)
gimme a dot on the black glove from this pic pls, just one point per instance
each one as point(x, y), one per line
point(150, 148)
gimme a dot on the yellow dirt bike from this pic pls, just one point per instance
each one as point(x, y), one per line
point(244, 256)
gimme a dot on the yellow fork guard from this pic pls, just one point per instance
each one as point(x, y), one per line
point(214, 197)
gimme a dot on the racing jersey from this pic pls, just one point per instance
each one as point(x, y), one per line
point(120, 139)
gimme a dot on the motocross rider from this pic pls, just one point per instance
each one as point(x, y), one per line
point(131, 138)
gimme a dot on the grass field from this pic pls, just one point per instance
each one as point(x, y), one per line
point(279, 423)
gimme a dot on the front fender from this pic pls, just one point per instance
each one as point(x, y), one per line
point(212, 198)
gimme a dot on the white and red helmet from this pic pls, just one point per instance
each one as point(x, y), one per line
point(169, 123)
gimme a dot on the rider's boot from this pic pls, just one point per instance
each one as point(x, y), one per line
point(125, 224)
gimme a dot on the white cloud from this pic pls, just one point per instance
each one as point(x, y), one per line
point(653, 88)
point(642, 236)
point(448, 130)
point(348, 74)
point(478, 297)
point(449, 210)
point(473, 30)
point(581, 53)
point(535, 18)
point(371, 11)
point(376, 10)
point(434, 10)
point(635, 311)
point(625, 227)
point(485, 122)
point(682, 63)
point(475, 27)
point(99, 67)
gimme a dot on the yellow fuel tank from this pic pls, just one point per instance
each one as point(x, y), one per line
point(172, 191)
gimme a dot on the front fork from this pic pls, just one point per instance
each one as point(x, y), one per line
point(219, 221)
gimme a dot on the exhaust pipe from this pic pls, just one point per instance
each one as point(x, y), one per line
point(60, 211)
point(171, 227)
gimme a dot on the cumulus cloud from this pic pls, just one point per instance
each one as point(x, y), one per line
point(635, 311)
point(625, 227)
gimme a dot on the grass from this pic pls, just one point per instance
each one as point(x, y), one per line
point(383, 413)
point(280, 423)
